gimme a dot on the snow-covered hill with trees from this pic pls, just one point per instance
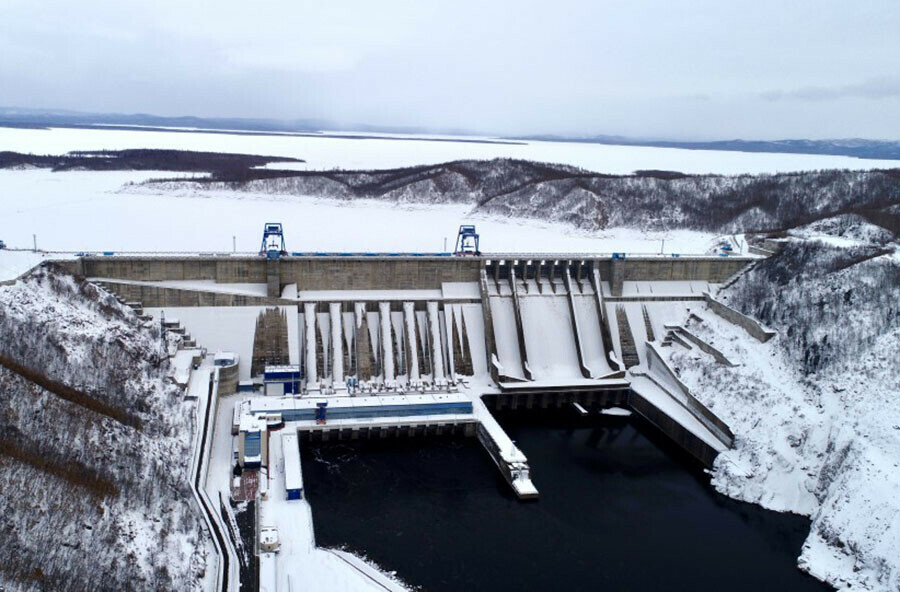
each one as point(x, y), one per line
point(94, 447)
point(652, 200)
point(815, 410)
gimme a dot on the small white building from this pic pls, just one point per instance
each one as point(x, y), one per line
point(282, 380)
point(268, 539)
point(293, 476)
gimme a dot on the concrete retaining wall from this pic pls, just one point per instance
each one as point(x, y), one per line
point(657, 364)
point(557, 398)
point(381, 272)
point(710, 269)
point(655, 298)
point(435, 427)
point(696, 447)
point(228, 379)
point(734, 317)
point(520, 329)
point(157, 297)
point(309, 273)
point(705, 347)
point(490, 346)
point(220, 269)
point(377, 272)
point(756, 250)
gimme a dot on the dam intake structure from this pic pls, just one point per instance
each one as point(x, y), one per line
point(507, 331)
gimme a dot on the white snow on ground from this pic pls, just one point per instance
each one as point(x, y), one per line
point(825, 447)
point(358, 153)
point(848, 230)
point(82, 211)
point(15, 263)
point(181, 365)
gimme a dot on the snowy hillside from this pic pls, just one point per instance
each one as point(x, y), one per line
point(651, 200)
point(94, 447)
point(815, 410)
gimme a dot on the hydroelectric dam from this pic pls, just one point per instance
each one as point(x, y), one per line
point(351, 345)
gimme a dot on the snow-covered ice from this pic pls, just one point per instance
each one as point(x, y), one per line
point(383, 152)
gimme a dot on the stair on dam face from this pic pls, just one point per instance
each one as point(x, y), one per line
point(626, 338)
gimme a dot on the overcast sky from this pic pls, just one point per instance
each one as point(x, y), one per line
point(756, 69)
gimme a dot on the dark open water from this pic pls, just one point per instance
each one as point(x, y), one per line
point(620, 509)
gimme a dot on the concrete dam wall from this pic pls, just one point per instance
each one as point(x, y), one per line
point(520, 329)
point(401, 272)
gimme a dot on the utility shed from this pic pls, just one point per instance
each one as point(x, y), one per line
point(268, 539)
point(282, 380)
point(293, 477)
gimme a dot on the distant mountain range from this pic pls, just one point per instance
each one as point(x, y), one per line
point(37, 118)
point(41, 118)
